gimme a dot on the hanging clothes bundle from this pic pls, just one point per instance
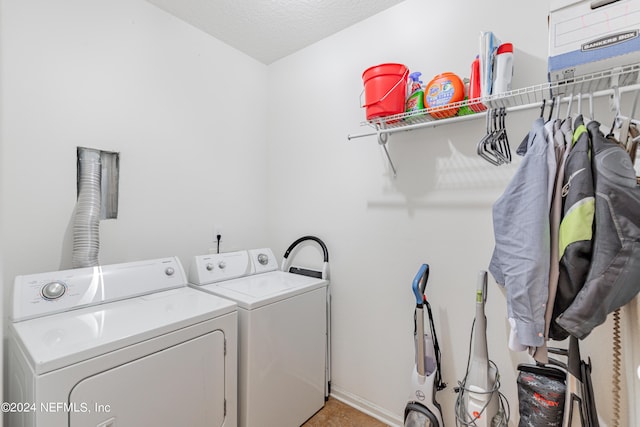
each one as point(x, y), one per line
point(521, 258)
point(614, 272)
point(568, 251)
point(567, 233)
point(575, 229)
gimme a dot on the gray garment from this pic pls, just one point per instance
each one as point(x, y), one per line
point(520, 260)
point(561, 151)
point(614, 273)
point(576, 227)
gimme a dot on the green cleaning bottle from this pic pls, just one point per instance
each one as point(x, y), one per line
point(415, 100)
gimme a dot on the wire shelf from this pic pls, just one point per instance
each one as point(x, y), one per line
point(581, 85)
point(612, 81)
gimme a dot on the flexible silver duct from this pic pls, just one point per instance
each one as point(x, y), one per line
point(86, 225)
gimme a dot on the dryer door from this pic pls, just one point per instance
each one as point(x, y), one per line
point(182, 385)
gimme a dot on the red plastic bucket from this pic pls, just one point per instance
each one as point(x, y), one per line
point(385, 89)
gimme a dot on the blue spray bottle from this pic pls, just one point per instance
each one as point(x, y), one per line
point(415, 98)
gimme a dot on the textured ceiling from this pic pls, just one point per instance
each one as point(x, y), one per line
point(268, 30)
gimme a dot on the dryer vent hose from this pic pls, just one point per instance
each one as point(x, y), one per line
point(86, 225)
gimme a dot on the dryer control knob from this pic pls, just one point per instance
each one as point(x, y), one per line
point(209, 266)
point(53, 290)
point(263, 259)
point(169, 271)
point(222, 265)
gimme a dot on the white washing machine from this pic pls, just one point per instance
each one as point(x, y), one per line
point(282, 335)
point(123, 345)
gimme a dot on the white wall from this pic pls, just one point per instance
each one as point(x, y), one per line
point(1, 221)
point(380, 229)
point(185, 111)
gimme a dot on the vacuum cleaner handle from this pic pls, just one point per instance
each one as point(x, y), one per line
point(420, 284)
point(481, 289)
point(574, 360)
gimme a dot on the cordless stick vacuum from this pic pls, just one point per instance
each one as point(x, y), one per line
point(479, 401)
point(422, 410)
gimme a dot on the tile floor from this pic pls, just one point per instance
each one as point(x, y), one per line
point(338, 414)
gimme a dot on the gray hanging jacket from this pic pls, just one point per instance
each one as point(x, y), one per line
point(614, 273)
point(576, 227)
point(520, 260)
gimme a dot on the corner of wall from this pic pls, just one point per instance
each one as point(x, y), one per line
point(2, 290)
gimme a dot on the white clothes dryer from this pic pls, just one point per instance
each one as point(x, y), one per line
point(122, 345)
point(282, 334)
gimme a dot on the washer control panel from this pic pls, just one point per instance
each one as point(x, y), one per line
point(218, 267)
point(42, 294)
point(214, 268)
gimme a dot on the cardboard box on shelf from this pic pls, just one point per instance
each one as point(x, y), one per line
point(587, 37)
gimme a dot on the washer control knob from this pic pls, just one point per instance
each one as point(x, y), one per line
point(222, 265)
point(263, 259)
point(169, 271)
point(53, 290)
point(209, 266)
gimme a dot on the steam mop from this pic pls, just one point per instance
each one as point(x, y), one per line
point(479, 403)
point(423, 410)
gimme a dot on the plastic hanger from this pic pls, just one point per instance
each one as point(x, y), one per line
point(579, 104)
point(500, 139)
point(553, 104)
point(631, 143)
point(635, 103)
point(496, 143)
point(569, 105)
point(485, 147)
point(504, 150)
point(494, 146)
point(618, 120)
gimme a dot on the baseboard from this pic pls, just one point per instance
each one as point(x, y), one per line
point(367, 407)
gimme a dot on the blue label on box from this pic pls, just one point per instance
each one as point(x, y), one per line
point(597, 50)
point(609, 40)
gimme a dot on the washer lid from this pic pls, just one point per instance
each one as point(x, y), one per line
point(261, 289)
point(59, 340)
